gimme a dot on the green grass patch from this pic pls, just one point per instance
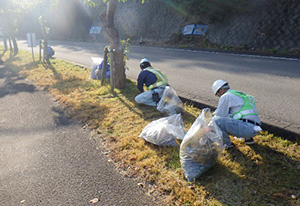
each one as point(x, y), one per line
point(266, 173)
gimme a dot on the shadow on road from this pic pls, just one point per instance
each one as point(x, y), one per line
point(12, 83)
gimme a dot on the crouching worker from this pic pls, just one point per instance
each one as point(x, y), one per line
point(236, 114)
point(154, 80)
point(96, 71)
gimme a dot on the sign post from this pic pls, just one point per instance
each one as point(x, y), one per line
point(31, 42)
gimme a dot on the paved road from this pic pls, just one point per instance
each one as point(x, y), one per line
point(47, 159)
point(274, 82)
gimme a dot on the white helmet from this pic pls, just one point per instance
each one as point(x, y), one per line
point(217, 85)
point(144, 60)
point(144, 63)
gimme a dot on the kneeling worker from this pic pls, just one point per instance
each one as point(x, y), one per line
point(236, 114)
point(154, 80)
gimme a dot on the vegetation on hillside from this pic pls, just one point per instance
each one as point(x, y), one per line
point(209, 11)
point(266, 173)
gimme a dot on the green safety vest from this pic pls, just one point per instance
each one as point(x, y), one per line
point(248, 108)
point(161, 78)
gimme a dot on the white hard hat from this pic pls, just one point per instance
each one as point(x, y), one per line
point(144, 60)
point(217, 85)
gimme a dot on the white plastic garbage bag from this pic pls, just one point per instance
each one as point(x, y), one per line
point(200, 146)
point(94, 74)
point(96, 61)
point(96, 67)
point(170, 102)
point(164, 131)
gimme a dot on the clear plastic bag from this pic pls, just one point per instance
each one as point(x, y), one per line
point(200, 146)
point(94, 73)
point(164, 131)
point(96, 61)
point(170, 102)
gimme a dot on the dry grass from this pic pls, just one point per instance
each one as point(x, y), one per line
point(266, 173)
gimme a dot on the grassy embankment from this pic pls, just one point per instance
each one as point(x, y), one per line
point(266, 173)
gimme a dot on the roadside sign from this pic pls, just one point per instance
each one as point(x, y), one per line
point(31, 40)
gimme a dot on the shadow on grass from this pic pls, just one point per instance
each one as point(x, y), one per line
point(1, 55)
point(144, 111)
point(265, 177)
point(47, 65)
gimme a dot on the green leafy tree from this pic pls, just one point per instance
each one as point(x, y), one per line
point(10, 11)
point(45, 6)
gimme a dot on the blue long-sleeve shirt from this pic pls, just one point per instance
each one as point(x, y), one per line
point(107, 70)
point(147, 78)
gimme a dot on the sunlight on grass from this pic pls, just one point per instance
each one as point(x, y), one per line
point(266, 173)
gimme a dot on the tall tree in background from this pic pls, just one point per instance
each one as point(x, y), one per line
point(9, 11)
point(107, 21)
point(43, 8)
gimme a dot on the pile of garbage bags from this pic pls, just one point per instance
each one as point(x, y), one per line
point(200, 146)
point(165, 131)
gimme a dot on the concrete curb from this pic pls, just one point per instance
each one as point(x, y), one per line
point(292, 134)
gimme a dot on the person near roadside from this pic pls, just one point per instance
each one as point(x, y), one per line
point(96, 71)
point(236, 114)
point(154, 80)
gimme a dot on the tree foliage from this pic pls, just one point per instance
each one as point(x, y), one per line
point(10, 11)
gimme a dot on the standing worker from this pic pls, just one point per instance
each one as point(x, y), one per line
point(236, 114)
point(154, 80)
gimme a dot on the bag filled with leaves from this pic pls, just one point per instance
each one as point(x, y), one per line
point(200, 146)
point(164, 131)
point(170, 102)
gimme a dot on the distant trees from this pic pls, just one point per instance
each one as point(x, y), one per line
point(9, 11)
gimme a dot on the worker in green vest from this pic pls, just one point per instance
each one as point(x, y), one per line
point(154, 80)
point(236, 114)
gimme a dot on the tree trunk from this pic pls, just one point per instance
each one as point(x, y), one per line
point(14, 41)
point(46, 55)
point(107, 20)
point(119, 72)
point(10, 45)
point(5, 42)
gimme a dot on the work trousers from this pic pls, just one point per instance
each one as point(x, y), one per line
point(235, 127)
point(146, 97)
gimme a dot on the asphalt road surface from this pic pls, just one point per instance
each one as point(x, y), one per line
point(273, 81)
point(46, 159)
